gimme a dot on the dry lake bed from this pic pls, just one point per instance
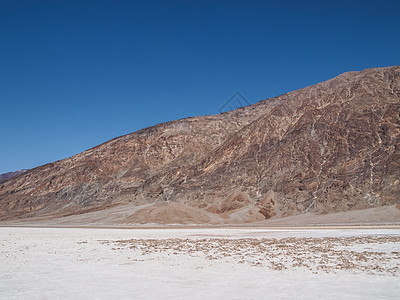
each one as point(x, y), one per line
point(199, 263)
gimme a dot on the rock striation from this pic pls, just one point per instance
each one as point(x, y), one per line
point(331, 147)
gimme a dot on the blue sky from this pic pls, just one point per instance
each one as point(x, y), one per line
point(74, 74)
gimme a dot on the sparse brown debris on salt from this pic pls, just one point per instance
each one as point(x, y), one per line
point(328, 254)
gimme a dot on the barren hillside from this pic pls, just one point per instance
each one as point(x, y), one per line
point(328, 148)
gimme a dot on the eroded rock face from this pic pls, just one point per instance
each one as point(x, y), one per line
point(268, 205)
point(326, 148)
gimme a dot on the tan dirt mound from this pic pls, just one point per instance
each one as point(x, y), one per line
point(168, 213)
point(234, 201)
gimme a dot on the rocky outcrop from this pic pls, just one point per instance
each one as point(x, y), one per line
point(326, 148)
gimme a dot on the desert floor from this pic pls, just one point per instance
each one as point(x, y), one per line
point(199, 263)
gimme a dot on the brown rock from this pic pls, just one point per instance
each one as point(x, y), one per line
point(267, 205)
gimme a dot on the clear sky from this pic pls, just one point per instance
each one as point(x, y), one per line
point(74, 74)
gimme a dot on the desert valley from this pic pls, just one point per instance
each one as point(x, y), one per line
point(294, 197)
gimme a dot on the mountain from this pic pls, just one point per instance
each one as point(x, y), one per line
point(328, 148)
point(11, 174)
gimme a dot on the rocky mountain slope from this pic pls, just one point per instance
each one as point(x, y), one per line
point(331, 147)
point(11, 174)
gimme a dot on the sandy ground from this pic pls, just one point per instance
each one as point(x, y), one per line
point(225, 263)
point(124, 215)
